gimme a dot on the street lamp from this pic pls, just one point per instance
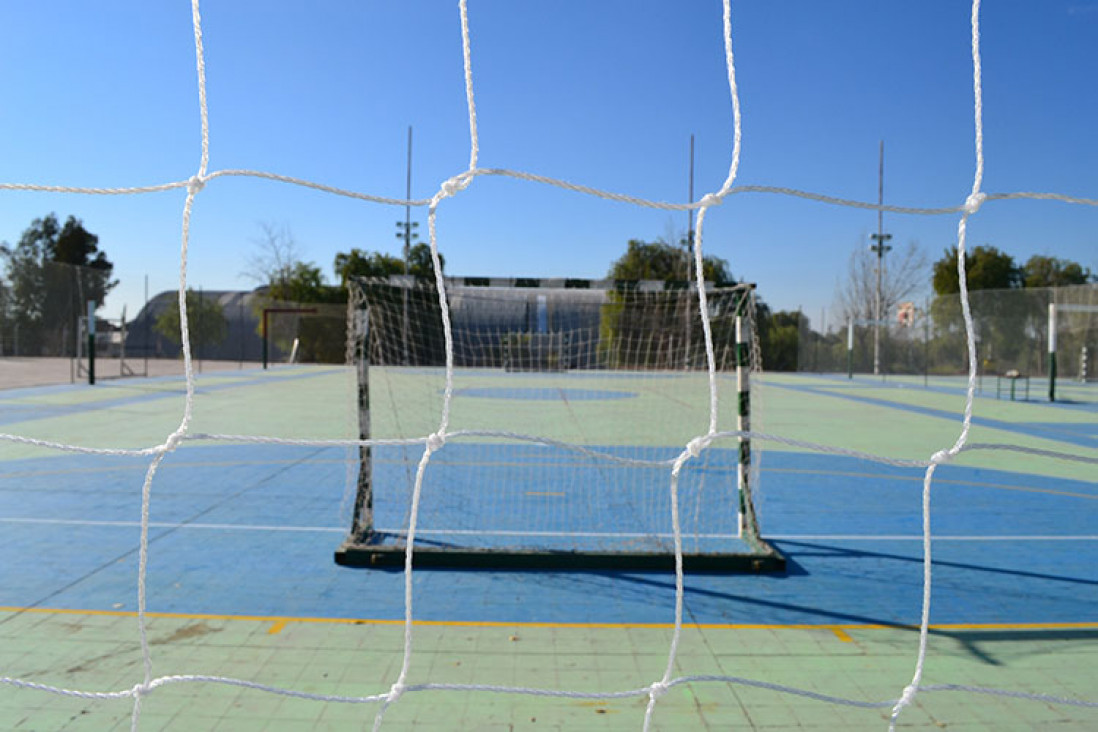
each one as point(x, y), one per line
point(879, 248)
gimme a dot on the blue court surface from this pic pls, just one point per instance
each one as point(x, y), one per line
point(251, 530)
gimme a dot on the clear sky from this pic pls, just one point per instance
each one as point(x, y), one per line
point(604, 94)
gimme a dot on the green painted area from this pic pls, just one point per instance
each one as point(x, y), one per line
point(657, 409)
point(860, 664)
point(293, 403)
point(826, 416)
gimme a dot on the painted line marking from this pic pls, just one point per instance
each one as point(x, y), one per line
point(935, 537)
point(841, 634)
point(284, 620)
point(944, 481)
point(172, 525)
point(585, 534)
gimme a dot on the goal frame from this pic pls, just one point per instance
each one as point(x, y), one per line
point(366, 547)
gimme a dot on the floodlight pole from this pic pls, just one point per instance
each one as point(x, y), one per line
point(689, 259)
point(880, 248)
point(405, 233)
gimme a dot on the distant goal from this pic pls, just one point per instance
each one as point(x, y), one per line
point(613, 379)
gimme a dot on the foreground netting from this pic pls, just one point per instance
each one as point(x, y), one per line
point(591, 491)
point(433, 443)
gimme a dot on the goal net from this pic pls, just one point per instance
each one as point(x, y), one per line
point(569, 407)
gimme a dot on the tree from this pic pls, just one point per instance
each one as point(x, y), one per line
point(666, 262)
point(206, 321)
point(633, 316)
point(290, 283)
point(779, 340)
point(53, 272)
point(903, 277)
point(359, 263)
point(1042, 271)
point(986, 268)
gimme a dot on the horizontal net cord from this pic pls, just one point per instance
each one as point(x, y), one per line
point(548, 442)
point(549, 181)
point(163, 681)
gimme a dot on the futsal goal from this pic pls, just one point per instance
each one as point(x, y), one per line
point(608, 377)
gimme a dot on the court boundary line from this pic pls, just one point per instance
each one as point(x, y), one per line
point(336, 529)
point(286, 619)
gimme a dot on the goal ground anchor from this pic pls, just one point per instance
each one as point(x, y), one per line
point(758, 557)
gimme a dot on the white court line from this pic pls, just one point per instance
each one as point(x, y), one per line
point(168, 525)
point(936, 537)
point(587, 534)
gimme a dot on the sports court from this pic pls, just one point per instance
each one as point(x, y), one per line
point(241, 580)
point(170, 541)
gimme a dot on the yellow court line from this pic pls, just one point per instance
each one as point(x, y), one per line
point(841, 634)
point(280, 622)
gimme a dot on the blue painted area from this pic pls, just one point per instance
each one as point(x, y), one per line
point(1071, 434)
point(220, 544)
point(544, 394)
point(1086, 395)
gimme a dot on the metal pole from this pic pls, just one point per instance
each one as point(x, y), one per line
point(407, 242)
point(91, 342)
point(1052, 351)
point(880, 248)
point(926, 344)
point(408, 206)
point(689, 261)
point(850, 350)
point(148, 327)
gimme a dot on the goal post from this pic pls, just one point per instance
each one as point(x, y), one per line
point(603, 374)
point(1078, 333)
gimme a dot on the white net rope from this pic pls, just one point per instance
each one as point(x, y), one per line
point(436, 441)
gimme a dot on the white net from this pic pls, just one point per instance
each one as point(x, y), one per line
point(612, 380)
point(431, 444)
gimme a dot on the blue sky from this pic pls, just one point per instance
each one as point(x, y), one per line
point(605, 94)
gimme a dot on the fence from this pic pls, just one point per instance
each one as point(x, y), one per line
point(43, 315)
point(1012, 335)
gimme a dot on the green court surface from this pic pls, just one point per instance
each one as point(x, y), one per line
point(242, 586)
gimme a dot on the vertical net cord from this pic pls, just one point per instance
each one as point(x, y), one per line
point(972, 205)
point(437, 440)
point(698, 444)
point(193, 187)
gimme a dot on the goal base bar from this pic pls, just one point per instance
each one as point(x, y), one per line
point(764, 558)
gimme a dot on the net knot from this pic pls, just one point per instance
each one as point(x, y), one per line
point(455, 185)
point(695, 446)
point(658, 689)
point(173, 441)
point(140, 690)
point(711, 199)
point(396, 691)
point(941, 457)
point(195, 184)
point(435, 441)
point(973, 202)
point(906, 698)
